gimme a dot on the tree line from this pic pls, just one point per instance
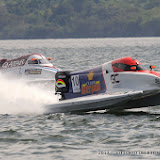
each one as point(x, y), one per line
point(30, 19)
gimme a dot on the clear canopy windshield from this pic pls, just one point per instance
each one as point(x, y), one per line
point(38, 61)
point(125, 67)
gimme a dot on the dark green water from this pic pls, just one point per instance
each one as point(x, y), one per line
point(26, 133)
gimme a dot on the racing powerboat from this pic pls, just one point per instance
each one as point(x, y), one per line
point(119, 84)
point(33, 67)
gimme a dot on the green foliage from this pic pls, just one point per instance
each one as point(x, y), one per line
point(78, 18)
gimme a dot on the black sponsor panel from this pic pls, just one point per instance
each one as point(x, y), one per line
point(62, 81)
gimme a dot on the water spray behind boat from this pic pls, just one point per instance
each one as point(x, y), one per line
point(18, 97)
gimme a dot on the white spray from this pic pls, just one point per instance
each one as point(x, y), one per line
point(17, 97)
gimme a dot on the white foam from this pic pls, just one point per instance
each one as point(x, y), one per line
point(17, 97)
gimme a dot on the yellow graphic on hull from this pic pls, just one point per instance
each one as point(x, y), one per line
point(90, 87)
point(90, 75)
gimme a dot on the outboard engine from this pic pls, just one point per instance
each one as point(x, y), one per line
point(62, 82)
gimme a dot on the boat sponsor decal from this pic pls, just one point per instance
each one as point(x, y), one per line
point(114, 78)
point(60, 83)
point(75, 83)
point(90, 87)
point(90, 75)
point(86, 82)
point(33, 71)
point(61, 76)
point(10, 64)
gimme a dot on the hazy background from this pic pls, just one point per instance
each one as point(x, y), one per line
point(38, 19)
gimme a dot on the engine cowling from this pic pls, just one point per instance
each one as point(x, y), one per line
point(62, 81)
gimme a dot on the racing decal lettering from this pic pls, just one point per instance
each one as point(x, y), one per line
point(33, 71)
point(113, 78)
point(90, 87)
point(61, 76)
point(11, 64)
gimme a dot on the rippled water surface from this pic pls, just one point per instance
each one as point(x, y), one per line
point(26, 133)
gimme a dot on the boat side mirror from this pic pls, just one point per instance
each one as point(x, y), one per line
point(49, 58)
point(133, 68)
point(152, 67)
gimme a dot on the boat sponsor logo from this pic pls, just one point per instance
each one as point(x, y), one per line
point(11, 64)
point(90, 75)
point(60, 83)
point(61, 76)
point(33, 71)
point(88, 82)
point(90, 87)
point(114, 78)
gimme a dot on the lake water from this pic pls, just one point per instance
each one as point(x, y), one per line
point(26, 133)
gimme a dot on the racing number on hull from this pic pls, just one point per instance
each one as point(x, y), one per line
point(75, 83)
point(113, 78)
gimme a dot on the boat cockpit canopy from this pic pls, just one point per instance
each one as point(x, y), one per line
point(38, 60)
point(127, 64)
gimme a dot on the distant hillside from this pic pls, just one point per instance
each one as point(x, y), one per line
point(29, 19)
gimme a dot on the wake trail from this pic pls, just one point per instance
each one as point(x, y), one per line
point(17, 97)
